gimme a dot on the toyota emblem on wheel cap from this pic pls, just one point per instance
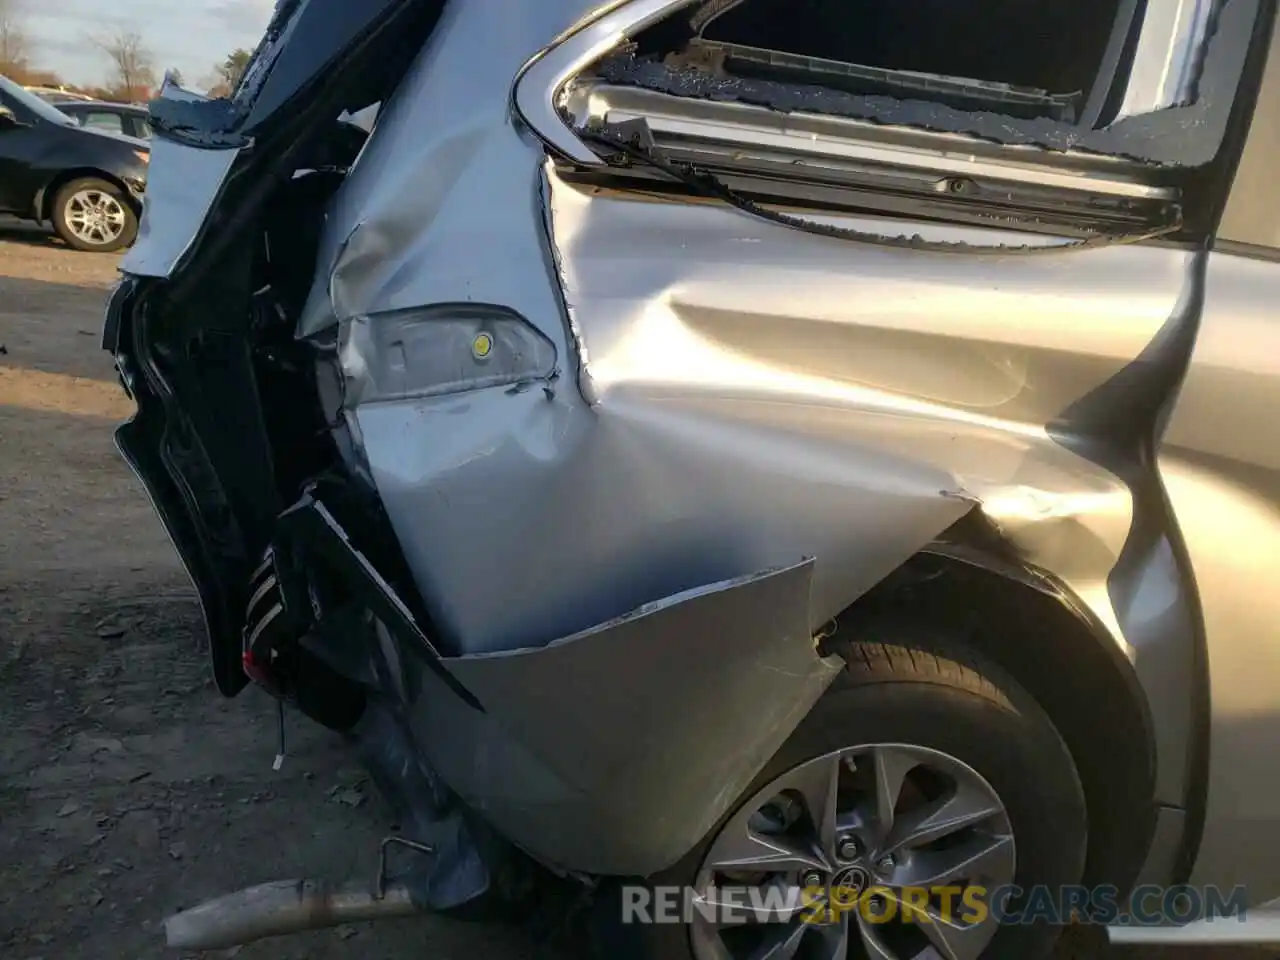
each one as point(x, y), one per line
point(848, 885)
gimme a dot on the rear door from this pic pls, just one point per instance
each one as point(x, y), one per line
point(21, 148)
point(1221, 464)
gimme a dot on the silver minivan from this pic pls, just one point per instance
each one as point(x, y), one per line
point(819, 458)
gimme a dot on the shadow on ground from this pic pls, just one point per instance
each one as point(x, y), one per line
point(29, 234)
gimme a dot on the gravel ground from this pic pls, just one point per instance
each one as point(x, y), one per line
point(128, 787)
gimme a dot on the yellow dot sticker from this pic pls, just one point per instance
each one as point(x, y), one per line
point(482, 346)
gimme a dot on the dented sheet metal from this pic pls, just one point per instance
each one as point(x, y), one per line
point(445, 176)
point(933, 364)
point(865, 371)
point(636, 448)
point(182, 185)
point(556, 763)
point(747, 395)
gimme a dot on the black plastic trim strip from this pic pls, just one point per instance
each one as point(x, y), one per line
point(307, 530)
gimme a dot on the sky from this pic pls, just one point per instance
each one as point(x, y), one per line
point(191, 35)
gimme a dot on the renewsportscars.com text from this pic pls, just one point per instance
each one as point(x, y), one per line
point(1104, 905)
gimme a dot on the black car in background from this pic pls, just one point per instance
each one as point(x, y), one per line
point(126, 118)
point(54, 94)
point(87, 183)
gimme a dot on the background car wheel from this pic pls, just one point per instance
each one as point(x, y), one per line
point(95, 215)
point(923, 766)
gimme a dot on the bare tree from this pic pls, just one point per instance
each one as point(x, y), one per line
point(232, 69)
point(14, 48)
point(133, 73)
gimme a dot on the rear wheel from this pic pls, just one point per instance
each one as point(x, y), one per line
point(925, 781)
point(95, 215)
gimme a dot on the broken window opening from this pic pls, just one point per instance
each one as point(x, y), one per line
point(656, 111)
point(1160, 100)
point(1056, 60)
point(884, 107)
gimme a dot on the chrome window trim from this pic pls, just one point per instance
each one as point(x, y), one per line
point(1166, 63)
point(539, 86)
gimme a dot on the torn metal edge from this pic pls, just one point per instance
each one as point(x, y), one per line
point(586, 385)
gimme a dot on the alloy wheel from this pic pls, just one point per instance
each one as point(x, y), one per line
point(835, 855)
point(95, 217)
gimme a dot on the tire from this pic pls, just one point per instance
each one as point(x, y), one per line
point(926, 692)
point(113, 197)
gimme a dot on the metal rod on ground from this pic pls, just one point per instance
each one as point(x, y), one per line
point(282, 907)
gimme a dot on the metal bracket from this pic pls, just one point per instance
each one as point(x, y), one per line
point(380, 885)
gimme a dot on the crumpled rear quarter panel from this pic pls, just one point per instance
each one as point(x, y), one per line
point(736, 396)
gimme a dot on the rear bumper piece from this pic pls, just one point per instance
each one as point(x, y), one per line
point(616, 750)
point(610, 752)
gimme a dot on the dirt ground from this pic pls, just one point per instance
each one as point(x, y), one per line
point(128, 787)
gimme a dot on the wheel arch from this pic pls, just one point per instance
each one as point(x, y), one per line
point(46, 194)
point(1033, 626)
